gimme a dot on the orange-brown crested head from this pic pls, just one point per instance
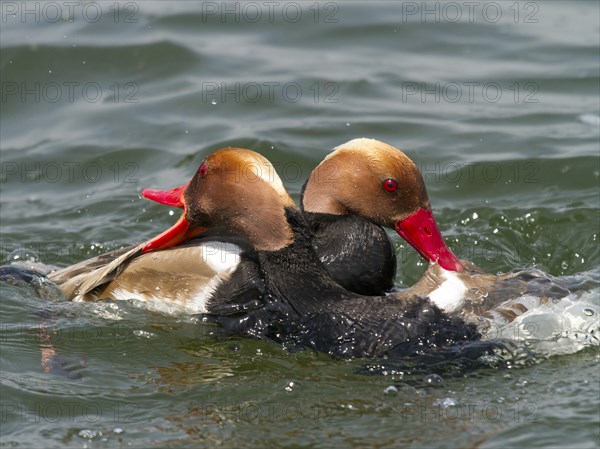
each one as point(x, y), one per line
point(234, 189)
point(369, 178)
point(374, 180)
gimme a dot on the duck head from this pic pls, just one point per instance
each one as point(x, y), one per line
point(374, 180)
point(234, 189)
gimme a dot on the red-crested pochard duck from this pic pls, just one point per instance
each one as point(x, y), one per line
point(237, 195)
point(186, 269)
point(365, 184)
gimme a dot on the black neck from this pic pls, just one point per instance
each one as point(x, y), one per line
point(357, 253)
point(296, 272)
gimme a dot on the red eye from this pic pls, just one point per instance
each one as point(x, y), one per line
point(390, 185)
point(203, 170)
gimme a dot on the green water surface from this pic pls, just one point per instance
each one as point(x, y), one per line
point(498, 103)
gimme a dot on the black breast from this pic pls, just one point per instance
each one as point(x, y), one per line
point(357, 253)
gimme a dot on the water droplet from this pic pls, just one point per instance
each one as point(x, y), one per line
point(89, 434)
point(171, 212)
point(117, 430)
point(588, 312)
point(347, 124)
point(446, 402)
point(479, 294)
point(433, 379)
point(391, 389)
point(24, 255)
point(495, 231)
point(157, 288)
point(213, 102)
point(143, 334)
point(564, 265)
point(289, 386)
point(49, 71)
point(475, 216)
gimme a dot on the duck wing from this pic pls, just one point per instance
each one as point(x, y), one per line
point(80, 280)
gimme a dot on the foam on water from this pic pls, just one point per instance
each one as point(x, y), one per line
point(555, 327)
point(590, 119)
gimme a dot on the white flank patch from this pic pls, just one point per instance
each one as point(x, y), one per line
point(450, 295)
point(184, 302)
point(220, 256)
